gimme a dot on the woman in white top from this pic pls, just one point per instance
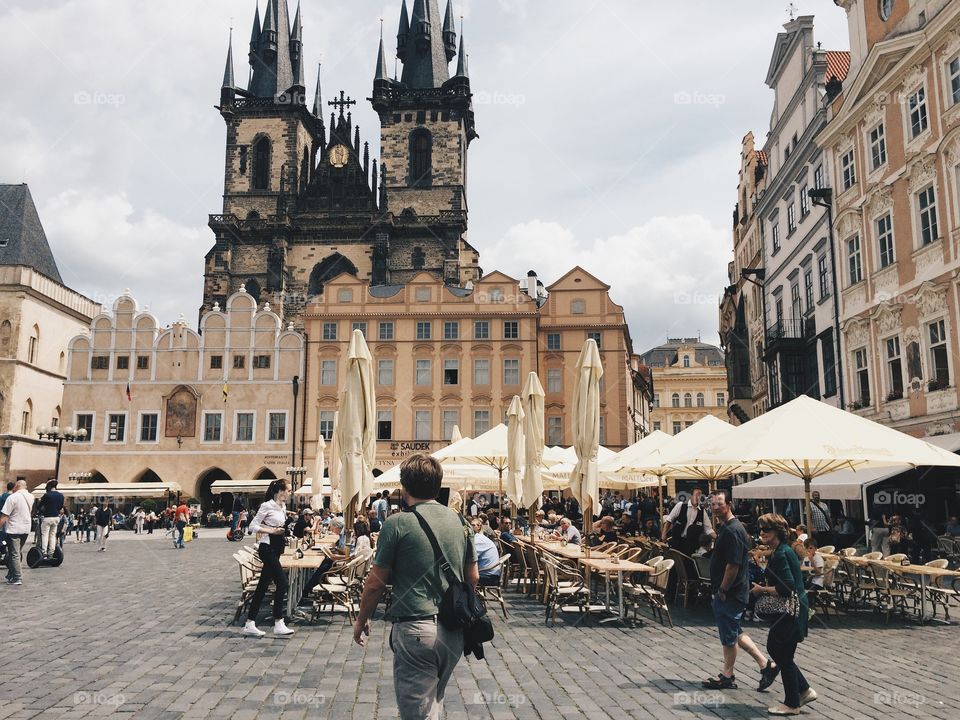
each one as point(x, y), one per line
point(361, 544)
point(270, 527)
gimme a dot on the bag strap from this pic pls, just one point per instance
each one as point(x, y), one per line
point(439, 558)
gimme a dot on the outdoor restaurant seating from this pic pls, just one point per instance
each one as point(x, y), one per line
point(893, 594)
point(653, 592)
point(576, 589)
point(495, 592)
point(827, 549)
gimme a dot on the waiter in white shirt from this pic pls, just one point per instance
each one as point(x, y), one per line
point(685, 524)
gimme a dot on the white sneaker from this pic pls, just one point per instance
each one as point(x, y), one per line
point(251, 629)
point(280, 629)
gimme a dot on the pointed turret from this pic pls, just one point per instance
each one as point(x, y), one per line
point(255, 35)
point(318, 98)
point(228, 92)
point(403, 33)
point(463, 69)
point(296, 53)
point(425, 63)
point(382, 72)
point(449, 33)
point(272, 63)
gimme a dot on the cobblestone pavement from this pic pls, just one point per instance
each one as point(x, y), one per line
point(143, 631)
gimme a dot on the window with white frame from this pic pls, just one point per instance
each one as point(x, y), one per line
point(451, 372)
point(277, 427)
point(804, 201)
point(511, 371)
point(385, 372)
point(701, 399)
point(423, 372)
point(554, 431)
point(597, 337)
point(212, 427)
point(721, 399)
point(848, 172)
point(775, 236)
point(687, 400)
point(386, 331)
point(796, 307)
point(148, 427)
point(675, 400)
point(553, 341)
point(854, 260)
point(117, 428)
point(481, 422)
point(823, 276)
point(894, 368)
point(511, 330)
point(953, 71)
point(791, 218)
point(326, 424)
point(808, 288)
point(677, 427)
point(424, 330)
point(451, 330)
point(885, 239)
point(862, 374)
point(421, 425)
point(818, 177)
point(244, 427)
point(878, 147)
point(917, 112)
point(361, 326)
point(939, 363)
point(656, 400)
point(927, 206)
point(481, 371)
point(84, 421)
point(328, 372)
point(481, 330)
point(554, 380)
point(384, 424)
point(451, 418)
point(329, 331)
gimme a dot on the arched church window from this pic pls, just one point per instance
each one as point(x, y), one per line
point(421, 158)
point(419, 258)
point(261, 164)
point(253, 289)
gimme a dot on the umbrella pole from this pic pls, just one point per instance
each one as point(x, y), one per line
point(806, 491)
point(500, 495)
point(660, 494)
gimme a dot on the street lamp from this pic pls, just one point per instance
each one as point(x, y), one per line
point(296, 474)
point(823, 197)
point(54, 434)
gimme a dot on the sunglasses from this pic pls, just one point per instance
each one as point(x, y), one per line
point(767, 528)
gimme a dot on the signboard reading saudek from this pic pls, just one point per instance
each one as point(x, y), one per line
point(405, 449)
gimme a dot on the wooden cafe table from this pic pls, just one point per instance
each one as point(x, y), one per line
point(923, 571)
point(608, 566)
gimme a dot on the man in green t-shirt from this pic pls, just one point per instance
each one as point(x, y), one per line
point(424, 652)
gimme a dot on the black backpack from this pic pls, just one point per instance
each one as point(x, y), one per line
point(460, 606)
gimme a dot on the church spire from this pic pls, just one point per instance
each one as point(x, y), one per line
point(318, 97)
point(449, 33)
point(296, 53)
point(463, 70)
point(382, 72)
point(255, 35)
point(228, 78)
point(425, 62)
point(403, 33)
point(273, 59)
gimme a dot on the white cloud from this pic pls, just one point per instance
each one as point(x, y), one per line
point(668, 273)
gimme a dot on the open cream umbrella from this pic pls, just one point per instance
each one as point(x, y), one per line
point(356, 431)
point(584, 481)
point(807, 438)
point(533, 399)
point(628, 468)
point(516, 456)
point(316, 495)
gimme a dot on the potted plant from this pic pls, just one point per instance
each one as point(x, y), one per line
point(895, 395)
point(934, 385)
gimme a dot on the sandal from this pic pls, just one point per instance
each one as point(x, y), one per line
point(768, 675)
point(721, 682)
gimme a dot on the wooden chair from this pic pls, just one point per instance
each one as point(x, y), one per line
point(825, 597)
point(848, 552)
point(686, 576)
point(653, 591)
point(341, 587)
point(944, 590)
point(828, 549)
point(495, 592)
point(249, 577)
point(578, 592)
point(893, 595)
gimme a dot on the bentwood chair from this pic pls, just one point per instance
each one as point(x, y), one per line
point(495, 592)
point(577, 591)
point(653, 592)
point(943, 590)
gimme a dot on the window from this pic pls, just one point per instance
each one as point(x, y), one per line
point(481, 330)
point(687, 400)
point(143, 362)
point(677, 428)
point(385, 425)
point(554, 380)
point(361, 326)
point(239, 362)
point(848, 172)
point(261, 164)
point(424, 330)
point(578, 307)
point(344, 295)
point(116, 428)
point(929, 230)
point(791, 218)
point(481, 422)
point(808, 288)
point(277, 427)
point(823, 276)
point(421, 423)
point(385, 372)
point(829, 366)
point(451, 372)
point(216, 362)
point(386, 331)
point(148, 427)
point(954, 71)
point(675, 400)
point(85, 422)
point(25, 422)
point(894, 369)
point(212, 427)
point(261, 362)
point(795, 306)
point(885, 239)
point(853, 260)
point(596, 336)
point(418, 258)
point(511, 372)
point(721, 399)
point(656, 400)
point(938, 353)
point(423, 372)
point(326, 424)
point(778, 311)
point(451, 330)
point(421, 158)
point(701, 400)
point(511, 330)
point(917, 106)
point(818, 177)
point(686, 361)
point(804, 201)
point(328, 372)
point(554, 431)
point(553, 341)
point(451, 418)
point(481, 371)
point(656, 426)
point(863, 376)
point(99, 362)
point(329, 331)
point(878, 147)
point(775, 237)
point(244, 427)
point(123, 361)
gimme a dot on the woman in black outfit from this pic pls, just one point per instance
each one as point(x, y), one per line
point(784, 578)
point(271, 530)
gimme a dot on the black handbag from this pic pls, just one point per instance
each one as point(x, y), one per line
point(460, 606)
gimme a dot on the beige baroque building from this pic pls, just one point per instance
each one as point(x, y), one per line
point(173, 404)
point(894, 138)
point(38, 313)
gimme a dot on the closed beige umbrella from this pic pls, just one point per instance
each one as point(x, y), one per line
point(533, 405)
point(333, 472)
point(316, 487)
point(516, 455)
point(356, 431)
point(585, 480)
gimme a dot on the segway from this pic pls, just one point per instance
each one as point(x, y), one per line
point(36, 559)
point(235, 535)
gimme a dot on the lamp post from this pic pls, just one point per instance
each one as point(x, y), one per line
point(296, 474)
point(823, 197)
point(54, 434)
point(293, 432)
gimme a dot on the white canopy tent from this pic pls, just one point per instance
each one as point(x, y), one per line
point(95, 491)
point(306, 490)
point(240, 486)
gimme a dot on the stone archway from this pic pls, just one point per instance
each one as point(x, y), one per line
point(209, 501)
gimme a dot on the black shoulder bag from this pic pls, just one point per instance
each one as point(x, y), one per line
point(460, 607)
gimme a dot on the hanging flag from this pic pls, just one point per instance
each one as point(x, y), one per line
point(129, 396)
point(224, 392)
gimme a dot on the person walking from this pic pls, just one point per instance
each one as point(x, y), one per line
point(729, 579)
point(91, 521)
point(48, 509)
point(181, 519)
point(235, 513)
point(151, 521)
point(785, 579)
point(103, 518)
point(16, 518)
point(270, 526)
point(80, 525)
point(425, 652)
point(63, 528)
point(139, 519)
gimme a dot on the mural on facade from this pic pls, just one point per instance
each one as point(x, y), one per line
point(181, 419)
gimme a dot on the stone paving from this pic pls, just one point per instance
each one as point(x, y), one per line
point(143, 631)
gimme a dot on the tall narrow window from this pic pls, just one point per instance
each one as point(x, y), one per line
point(385, 372)
point(863, 376)
point(554, 431)
point(878, 147)
point(385, 425)
point(823, 276)
point(481, 422)
point(423, 372)
point(954, 71)
point(938, 354)
point(917, 104)
point(481, 371)
point(326, 424)
point(421, 158)
point(885, 239)
point(422, 422)
point(854, 260)
point(847, 170)
point(927, 202)
point(808, 288)
point(829, 366)
point(261, 164)
point(451, 418)
point(894, 369)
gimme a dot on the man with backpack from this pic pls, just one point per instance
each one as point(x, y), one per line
point(425, 650)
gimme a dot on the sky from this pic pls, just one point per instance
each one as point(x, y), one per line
point(610, 135)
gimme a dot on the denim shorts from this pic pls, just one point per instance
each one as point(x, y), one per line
point(728, 617)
